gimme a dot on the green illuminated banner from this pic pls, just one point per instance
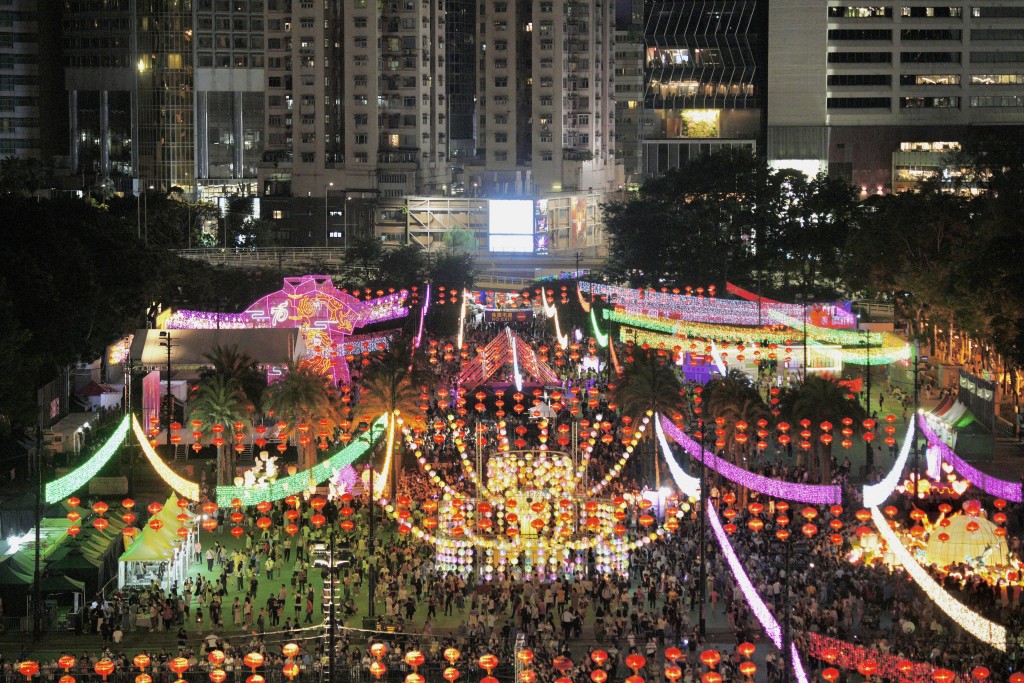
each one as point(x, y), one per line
point(72, 481)
point(299, 482)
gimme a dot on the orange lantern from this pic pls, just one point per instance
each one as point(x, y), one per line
point(710, 658)
point(635, 662)
point(488, 662)
point(290, 671)
point(28, 669)
point(218, 676)
point(253, 660)
point(104, 668)
point(178, 665)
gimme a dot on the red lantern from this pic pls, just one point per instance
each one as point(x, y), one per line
point(28, 669)
point(635, 662)
point(253, 660)
point(104, 668)
point(178, 665)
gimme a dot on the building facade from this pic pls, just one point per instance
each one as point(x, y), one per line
point(705, 78)
point(880, 92)
point(29, 81)
point(545, 98)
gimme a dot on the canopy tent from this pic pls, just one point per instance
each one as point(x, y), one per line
point(159, 555)
point(17, 565)
point(189, 347)
point(958, 427)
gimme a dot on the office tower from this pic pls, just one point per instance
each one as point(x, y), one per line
point(100, 62)
point(460, 77)
point(879, 93)
point(229, 63)
point(29, 81)
point(705, 71)
point(165, 94)
point(629, 101)
point(545, 108)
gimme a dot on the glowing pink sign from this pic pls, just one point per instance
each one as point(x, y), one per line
point(326, 318)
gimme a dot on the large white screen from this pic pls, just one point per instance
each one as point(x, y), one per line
point(510, 225)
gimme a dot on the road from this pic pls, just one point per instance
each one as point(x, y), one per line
point(502, 271)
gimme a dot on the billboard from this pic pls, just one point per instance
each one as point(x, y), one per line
point(510, 225)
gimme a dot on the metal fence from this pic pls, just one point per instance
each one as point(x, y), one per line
point(313, 673)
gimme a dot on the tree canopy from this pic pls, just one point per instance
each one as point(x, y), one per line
point(728, 216)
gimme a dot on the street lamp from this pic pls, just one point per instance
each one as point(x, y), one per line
point(702, 575)
point(167, 343)
point(869, 452)
point(327, 232)
point(371, 611)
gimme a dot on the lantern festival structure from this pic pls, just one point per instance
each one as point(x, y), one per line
point(325, 316)
point(532, 517)
point(532, 512)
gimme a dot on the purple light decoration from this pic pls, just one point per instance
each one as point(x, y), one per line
point(325, 316)
point(346, 476)
point(692, 308)
point(764, 615)
point(876, 494)
point(997, 487)
point(801, 493)
point(423, 317)
point(206, 320)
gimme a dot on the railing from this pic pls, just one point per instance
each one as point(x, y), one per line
point(269, 256)
point(1004, 427)
point(396, 673)
point(876, 310)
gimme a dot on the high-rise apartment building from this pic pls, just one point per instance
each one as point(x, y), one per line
point(879, 92)
point(705, 76)
point(321, 108)
point(545, 99)
point(29, 81)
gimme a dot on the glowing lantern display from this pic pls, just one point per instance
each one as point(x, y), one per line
point(28, 669)
point(104, 668)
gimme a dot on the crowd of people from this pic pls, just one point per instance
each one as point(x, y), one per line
point(656, 604)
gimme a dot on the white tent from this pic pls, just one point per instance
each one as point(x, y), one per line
point(159, 555)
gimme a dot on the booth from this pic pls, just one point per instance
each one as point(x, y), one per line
point(159, 555)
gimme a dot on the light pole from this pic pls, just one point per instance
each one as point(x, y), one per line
point(702, 574)
point(345, 219)
point(371, 610)
point(167, 343)
point(327, 230)
point(869, 451)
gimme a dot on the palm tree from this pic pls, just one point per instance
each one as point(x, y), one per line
point(649, 384)
point(821, 399)
point(219, 401)
point(734, 399)
point(302, 396)
point(231, 364)
point(392, 385)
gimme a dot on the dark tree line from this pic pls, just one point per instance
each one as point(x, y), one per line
point(951, 252)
